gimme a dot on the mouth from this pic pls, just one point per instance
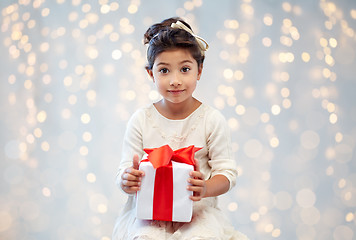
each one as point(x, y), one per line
point(176, 91)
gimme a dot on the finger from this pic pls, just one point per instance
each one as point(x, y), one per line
point(135, 162)
point(127, 183)
point(195, 198)
point(196, 174)
point(130, 177)
point(130, 189)
point(196, 165)
point(196, 182)
point(135, 189)
point(135, 172)
point(196, 189)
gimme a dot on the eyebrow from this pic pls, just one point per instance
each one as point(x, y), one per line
point(182, 62)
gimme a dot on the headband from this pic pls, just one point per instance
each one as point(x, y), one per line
point(203, 45)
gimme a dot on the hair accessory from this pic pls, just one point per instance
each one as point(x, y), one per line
point(202, 43)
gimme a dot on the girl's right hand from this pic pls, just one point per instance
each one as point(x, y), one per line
point(131, 178)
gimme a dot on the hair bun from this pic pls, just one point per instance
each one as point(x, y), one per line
point(164, 25)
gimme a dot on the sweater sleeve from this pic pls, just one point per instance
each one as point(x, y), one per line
point(132, 143)
point(219, 148)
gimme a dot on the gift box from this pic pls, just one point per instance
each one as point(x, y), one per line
point(164, 195)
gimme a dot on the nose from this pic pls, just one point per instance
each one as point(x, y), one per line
point(175, 80)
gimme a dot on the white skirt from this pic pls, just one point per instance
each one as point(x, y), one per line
point(208, 222)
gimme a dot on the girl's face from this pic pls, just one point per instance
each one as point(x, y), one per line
point(175, 73)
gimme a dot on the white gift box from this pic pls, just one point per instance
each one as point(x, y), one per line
point(180, 204)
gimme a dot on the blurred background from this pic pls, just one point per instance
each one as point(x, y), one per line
point(282, 72)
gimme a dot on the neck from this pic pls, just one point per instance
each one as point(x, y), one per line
point(176, 111)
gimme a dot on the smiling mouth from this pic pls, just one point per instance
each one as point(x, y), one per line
point(175, 91)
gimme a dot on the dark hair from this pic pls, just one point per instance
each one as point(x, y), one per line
point(161, 37)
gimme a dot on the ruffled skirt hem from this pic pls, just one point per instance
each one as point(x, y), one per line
point(208, 222)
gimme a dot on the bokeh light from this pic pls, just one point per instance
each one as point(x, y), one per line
point(282, 73)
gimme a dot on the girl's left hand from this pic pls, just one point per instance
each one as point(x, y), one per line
point(198, 184)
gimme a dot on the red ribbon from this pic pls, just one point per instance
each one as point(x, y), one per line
point(161, 159)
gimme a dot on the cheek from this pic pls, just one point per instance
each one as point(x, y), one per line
point(159, 83)
point(193, 83)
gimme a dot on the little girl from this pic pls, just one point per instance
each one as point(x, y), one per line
point(175, 62)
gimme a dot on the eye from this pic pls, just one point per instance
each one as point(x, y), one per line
point(163, 70)
point(185, 69)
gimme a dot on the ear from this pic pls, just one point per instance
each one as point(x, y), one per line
point(150, 73)
point(200, 70)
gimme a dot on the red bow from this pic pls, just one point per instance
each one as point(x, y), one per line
point(162, 156)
